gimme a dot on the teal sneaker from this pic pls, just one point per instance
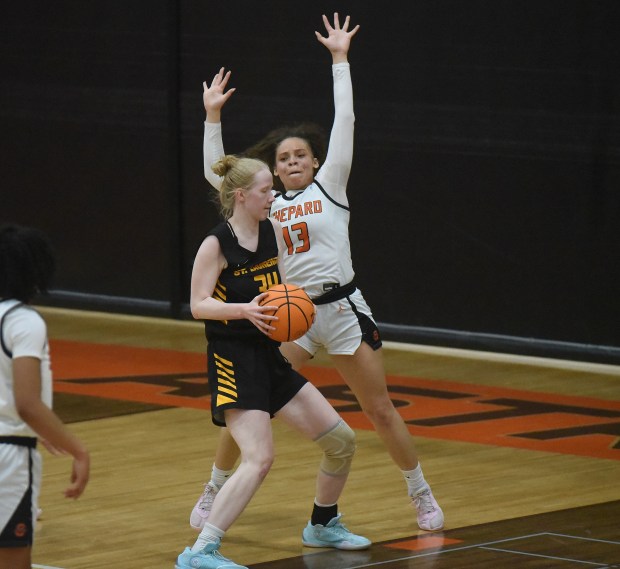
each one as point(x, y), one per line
point(334, 534)
point(207, 558)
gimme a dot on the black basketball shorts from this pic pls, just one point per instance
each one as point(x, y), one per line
point(249, 374)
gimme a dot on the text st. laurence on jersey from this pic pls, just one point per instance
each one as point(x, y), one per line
point(248, 273)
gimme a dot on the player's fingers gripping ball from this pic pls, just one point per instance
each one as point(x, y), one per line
point(295, 312)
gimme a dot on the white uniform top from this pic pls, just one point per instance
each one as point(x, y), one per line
point(315, 225)
point(25, 334)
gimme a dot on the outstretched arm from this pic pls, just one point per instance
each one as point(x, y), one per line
point(335, 171)
point(214, 97)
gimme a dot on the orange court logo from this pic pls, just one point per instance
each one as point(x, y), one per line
point(431, 408)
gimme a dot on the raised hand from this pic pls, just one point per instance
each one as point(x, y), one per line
point(338, 38)
point(214, 96)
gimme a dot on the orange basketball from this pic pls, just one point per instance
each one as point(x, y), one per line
point(295, 312)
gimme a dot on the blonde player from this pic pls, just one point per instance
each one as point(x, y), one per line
point(313, 209)
point(249, 379)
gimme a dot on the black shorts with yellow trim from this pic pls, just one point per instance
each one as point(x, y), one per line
point(249, 374)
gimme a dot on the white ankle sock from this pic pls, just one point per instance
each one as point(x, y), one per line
point(209, 534)
point(218, 477)
point(415, 480)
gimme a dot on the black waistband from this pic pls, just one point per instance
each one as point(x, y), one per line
point(30, 442)
point(335, 294)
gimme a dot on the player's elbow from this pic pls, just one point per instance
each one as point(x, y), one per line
point(26, 409)
point(199, 308)
point(194, 308)
point(346, 117)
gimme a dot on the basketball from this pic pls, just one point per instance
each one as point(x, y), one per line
point(295, 312)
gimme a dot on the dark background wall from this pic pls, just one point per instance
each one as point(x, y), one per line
point(484, 190)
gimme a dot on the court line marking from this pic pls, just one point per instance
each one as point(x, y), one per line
point(543, 556)
point(460, 548)
point(473, 546)
point(487, 546)
point(583, 538)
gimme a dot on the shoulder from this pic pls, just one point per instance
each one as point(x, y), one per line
point(24, 330)
point(220, 230)
point(22, 314)
point(209, 250)
point(209, 255)
point(211, 243)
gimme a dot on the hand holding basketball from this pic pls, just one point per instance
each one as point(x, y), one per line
point(295, 312)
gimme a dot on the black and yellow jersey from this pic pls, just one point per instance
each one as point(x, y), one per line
point(248, 273)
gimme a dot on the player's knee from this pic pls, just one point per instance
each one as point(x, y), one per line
point(381, 413)
point(338, 449)
point(259, 463)
point(264, 467)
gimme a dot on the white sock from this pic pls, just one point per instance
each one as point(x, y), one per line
point(209, 534)
point(415, 480)
point(218, 477)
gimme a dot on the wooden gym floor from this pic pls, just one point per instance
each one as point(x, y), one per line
point(523, 455)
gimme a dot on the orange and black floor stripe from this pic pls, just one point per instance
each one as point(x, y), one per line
point(432, 408)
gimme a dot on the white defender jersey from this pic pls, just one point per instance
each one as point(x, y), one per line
point(315, 221)
point(24, 333)
point(316, 235)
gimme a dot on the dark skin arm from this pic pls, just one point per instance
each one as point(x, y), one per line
point(43, 421)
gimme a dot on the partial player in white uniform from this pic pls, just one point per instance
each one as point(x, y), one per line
point(26, 266)
point(313, 210)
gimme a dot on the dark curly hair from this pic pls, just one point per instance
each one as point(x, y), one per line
point(265, 149)
point(27, 262)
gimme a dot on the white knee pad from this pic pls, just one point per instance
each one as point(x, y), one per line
point(338, 449)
